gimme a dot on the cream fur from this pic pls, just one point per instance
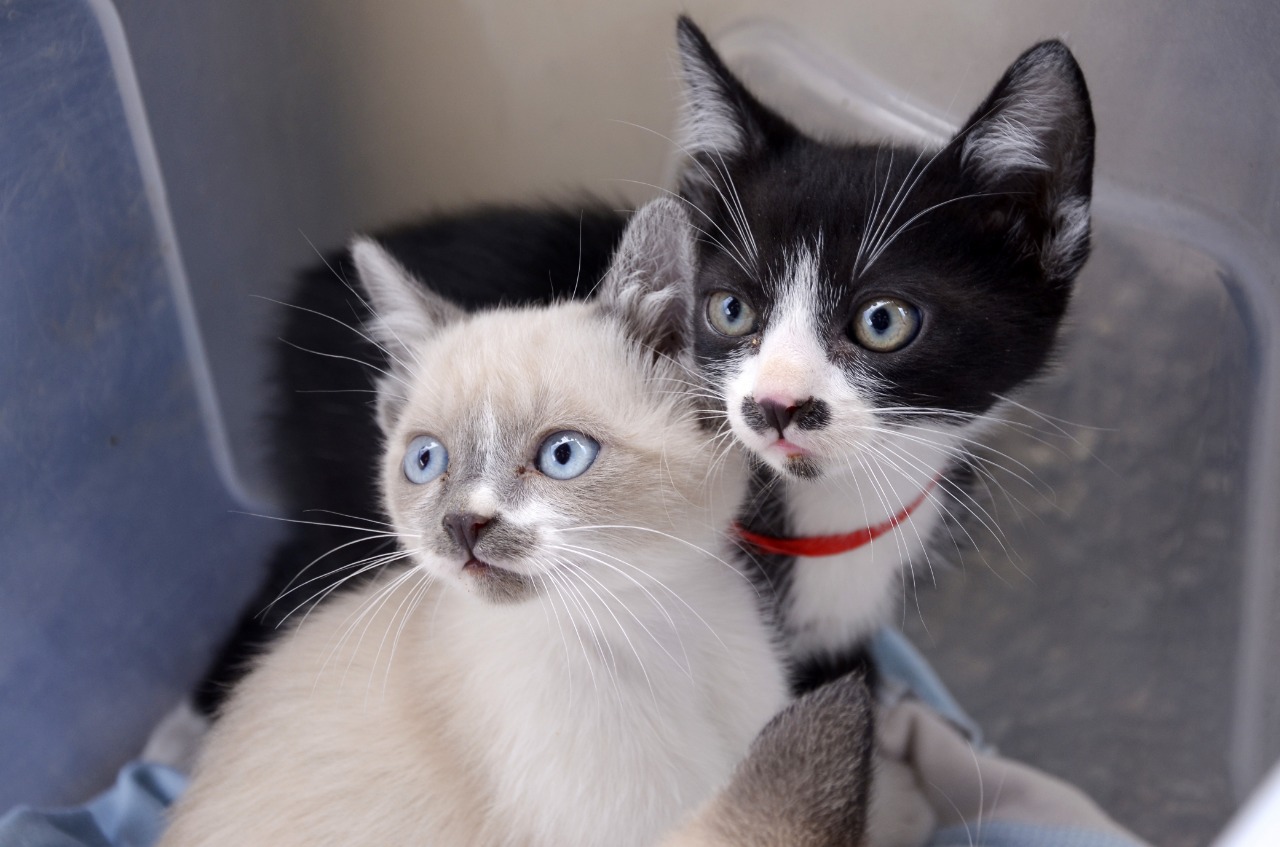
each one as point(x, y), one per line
point(599, 707)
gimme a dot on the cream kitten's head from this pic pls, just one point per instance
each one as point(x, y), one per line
point(530, 445)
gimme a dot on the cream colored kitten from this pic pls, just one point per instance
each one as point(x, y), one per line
point(563, 652)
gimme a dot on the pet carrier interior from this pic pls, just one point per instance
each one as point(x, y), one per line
point(165, 170)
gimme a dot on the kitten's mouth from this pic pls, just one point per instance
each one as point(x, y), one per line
point(480, 568)
point(497, 584)
point(789, 449)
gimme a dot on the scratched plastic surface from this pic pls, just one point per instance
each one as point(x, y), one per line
point(120, 560)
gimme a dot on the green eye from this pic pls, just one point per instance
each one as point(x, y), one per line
point(885, 324)
point(730, 315)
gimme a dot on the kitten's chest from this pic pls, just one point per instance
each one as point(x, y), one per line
point(620, 774)
point(612, 743)
point(829, 603)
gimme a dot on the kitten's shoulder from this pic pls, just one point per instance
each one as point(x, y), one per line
point(318, 717)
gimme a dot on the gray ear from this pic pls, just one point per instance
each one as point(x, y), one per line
point(1031, 142)
point(649, 284)
point(405, 313)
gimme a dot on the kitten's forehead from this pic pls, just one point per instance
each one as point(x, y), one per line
point(503, 363)
point(850, 200)
point(500, 378)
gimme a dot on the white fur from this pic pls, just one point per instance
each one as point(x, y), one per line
point(487, 727)
point(784, 369)
point(1008, 144)
point(1072, 231)
point(835, 601)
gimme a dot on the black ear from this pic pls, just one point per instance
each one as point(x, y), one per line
point(405, 312)
point(649, 284)
point(1032, 140)
point(720, 119)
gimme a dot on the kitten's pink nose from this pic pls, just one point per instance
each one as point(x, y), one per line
point(465, 528)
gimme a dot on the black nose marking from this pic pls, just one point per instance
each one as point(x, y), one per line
point(465, 528)
point(812, 414)
point(752, 415)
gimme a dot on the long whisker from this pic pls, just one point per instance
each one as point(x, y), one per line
point(667, 535)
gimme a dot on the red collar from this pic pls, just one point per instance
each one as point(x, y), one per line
point(830, 545)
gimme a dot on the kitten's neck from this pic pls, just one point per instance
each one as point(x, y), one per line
point(545, 686)
point(834, 602)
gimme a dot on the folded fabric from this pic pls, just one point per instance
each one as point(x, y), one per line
point(129, 814)
point(978, 799)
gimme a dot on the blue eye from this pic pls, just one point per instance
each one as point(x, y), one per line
point(886, 324)
point(567, 454)
point(730, 315)
point(425, 459)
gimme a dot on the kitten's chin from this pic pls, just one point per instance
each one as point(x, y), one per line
point(495, 584)
point(802, 467)
point(785, 458)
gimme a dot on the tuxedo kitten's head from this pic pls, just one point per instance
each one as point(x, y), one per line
point(855, 294)
point(521, 444)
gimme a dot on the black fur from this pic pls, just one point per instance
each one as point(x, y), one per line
point(326, 445)
point(818, 670)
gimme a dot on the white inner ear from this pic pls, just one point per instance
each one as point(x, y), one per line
point(400, 311)
point(1015, 137)
point(1071, 229)
point(708, 121)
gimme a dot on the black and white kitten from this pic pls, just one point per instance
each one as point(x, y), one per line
point(862, 309)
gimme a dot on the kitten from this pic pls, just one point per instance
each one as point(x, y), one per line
point(861, 312)
point(558, 652)
point(872, 304)
point(324, 435)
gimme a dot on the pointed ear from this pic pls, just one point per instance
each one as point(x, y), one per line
point(649, 284)
point(405, 312)
point(1033, 138)
point(719, 119)
point(404, 309)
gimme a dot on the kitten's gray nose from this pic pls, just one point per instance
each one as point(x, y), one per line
point(465, 528)
point(777, 416)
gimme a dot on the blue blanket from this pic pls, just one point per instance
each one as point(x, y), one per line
point(921, 724)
